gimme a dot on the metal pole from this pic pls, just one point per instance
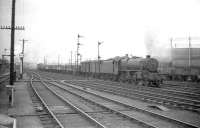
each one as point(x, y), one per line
point(44, 60)
point(77, 51)
point(12, 47)
point(75, 61)
point(22, 58)
point(189, 39)
point(71, 59)
point(171, 48)
point(99, 43)
point(23, 41)
point(98, 57)
point(98, 51)
point(2, 59)
point(58, 62)
point(80, 58)
point(78, 44)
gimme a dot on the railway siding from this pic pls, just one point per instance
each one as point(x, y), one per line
point(178, 115)
point(172, 91)
point(175, 114)
point(146, 96)
point(60, 117)
point(137, 114)
point(108, 116)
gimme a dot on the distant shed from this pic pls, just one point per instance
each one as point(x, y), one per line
point(185, 57)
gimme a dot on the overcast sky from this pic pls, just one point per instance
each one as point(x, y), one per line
point(125, 26)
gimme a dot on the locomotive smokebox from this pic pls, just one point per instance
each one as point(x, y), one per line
point(148, 56)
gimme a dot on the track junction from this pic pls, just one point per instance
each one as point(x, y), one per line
point(98, 103)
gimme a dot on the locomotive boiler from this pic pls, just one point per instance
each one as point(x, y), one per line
point(137, 63)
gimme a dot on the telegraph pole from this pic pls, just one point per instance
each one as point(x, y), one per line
point(12, 47)
point(22, 58)
point(12, 28)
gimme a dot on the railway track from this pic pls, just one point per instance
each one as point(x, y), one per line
point(185, 88)
point(144, 116)
point(183, 84)
point(108, 117)
point(41, 108)
point(59, 112)
point(170, 98)
point(189, 104)
point(4, 78)
point(187, 92)
point(171, 92)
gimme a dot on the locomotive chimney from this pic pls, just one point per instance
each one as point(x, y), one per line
point(148, 56)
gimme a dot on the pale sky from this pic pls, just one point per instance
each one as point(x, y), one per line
point(51, 26)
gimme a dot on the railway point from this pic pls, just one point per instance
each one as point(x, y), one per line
point(24, 114)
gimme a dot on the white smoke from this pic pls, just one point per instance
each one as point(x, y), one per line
point(156, 48)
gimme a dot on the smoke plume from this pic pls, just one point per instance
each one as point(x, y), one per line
point(155, 48)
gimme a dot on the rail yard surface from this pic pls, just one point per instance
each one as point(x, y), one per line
point(53, 100)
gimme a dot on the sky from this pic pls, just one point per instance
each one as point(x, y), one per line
point(134, 27)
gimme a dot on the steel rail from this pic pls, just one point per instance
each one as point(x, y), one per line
point(46, 106)
point(146, 97)
point(165, 98)
point(4, 79)
point(75, 108)
point(166, 102)
point(115, 111)
point(193, 90)
point(129, 106)
point(153, 88)
point(160, 95)
point(154, 114)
